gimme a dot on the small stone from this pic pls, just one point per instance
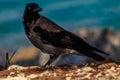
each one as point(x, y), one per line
point(54, 74)
point(32, 76)
point(78, 70)
point(11, 73)
point(88, 69)
point(68, 78)
point(112, 68)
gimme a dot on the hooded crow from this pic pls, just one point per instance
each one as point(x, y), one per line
point(54, 40)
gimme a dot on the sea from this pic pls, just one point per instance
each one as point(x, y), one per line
point(69, 14)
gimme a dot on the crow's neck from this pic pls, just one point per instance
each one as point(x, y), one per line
point(29, 17)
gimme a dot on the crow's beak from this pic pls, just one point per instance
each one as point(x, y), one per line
point(38, 9)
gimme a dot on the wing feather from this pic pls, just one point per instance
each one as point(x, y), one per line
point(59, 37)
point(47, 24)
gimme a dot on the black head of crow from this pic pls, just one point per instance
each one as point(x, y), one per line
point(32, 8)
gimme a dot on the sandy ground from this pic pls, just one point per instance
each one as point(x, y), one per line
point(106, 71)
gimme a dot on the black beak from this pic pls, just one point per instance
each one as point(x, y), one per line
point(38, 9)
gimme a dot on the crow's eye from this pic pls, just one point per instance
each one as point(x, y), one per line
point(36, 6)
point(29, 7)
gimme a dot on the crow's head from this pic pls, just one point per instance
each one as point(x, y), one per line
point(32, 8)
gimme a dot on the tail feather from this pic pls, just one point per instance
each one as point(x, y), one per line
point(100, 51)
point(94, 55)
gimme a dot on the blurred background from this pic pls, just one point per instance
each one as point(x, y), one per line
point(70, 14)
point(96, 21)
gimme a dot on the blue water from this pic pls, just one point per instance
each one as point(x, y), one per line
point(70, 14)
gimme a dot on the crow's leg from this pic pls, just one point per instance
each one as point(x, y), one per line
point(52, 58)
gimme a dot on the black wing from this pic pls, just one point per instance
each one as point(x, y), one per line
point(53, 34)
